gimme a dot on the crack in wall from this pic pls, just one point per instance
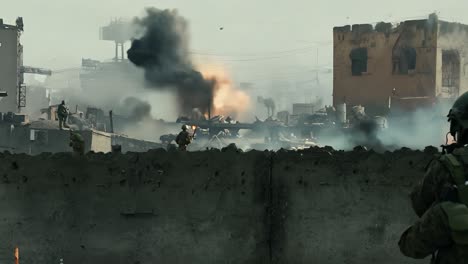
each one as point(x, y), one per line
point(270, 206)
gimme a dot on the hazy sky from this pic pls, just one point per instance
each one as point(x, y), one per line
point(58, 33)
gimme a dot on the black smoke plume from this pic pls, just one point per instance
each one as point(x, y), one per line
point(163, 51)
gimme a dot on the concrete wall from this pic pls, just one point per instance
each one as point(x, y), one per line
point(18, 140)
point(8, 68)
point(134, 145)
point(315, 206)
point(100, 141)
point(51, 140)
point(343, 207)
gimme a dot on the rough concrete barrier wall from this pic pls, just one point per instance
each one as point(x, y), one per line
point(154, 207)
point(343, 207)
point(207, 207)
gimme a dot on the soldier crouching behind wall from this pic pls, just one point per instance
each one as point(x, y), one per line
point(77, 143)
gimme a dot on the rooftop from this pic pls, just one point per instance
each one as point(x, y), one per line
point(386, 27)
point(17, 26)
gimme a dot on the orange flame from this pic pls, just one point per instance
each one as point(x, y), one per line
point(16, 255)
point(227, 100)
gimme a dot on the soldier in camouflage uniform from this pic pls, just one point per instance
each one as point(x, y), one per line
point(62, 113)
point(77, 143)
point(441, 200)
point(183, 139)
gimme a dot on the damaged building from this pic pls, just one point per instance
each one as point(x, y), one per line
point(11, 52)
point(20, 135)
point(33, 128)
point(12, 68)
point(415, 63)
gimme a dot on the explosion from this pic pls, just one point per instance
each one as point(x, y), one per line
point(162, 50)
point(227, 100)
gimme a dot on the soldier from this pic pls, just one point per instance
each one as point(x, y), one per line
point(62, 113)
point(441, 232)
point(441, 199)
point(439, 177)
point(183, 139)
point(77, 143)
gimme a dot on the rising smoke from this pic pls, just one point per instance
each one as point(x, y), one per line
point(413, 129)
point(135, 108)
point(163, 52)
point(421, 128)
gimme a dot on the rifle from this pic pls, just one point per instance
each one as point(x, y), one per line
point(447, 149)
point(194, 135)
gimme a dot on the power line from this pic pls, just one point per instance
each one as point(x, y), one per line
point(292, 76)
point(264, 58)
point(257, 55)
point(276, 74)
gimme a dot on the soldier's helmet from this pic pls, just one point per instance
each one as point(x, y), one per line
point(184, 127)
point(458, 117)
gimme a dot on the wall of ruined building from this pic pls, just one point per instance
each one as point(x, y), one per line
point(316, 206)
point(374, 88)
point(9, 68)
point(54, 141)
point(100, 141)
point(134, 145)
point(453, 36)
point(13, 138)
point(18, 140)
point(5, 143)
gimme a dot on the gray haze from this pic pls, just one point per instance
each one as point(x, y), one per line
point(277, 46)
point(58, 33)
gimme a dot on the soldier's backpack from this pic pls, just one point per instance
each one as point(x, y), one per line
point(457, 213)
point(456, 164)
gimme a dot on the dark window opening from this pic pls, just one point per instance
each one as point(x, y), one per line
point(358, 61)
point(404, 60)
point(450, 72)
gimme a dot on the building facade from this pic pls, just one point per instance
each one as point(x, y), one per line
point(416, 62)
point(11, 60)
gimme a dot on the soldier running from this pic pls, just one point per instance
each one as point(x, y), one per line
point(183, 139)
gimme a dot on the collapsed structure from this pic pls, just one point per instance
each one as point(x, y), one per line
point(412, 64)
point(19, 134)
